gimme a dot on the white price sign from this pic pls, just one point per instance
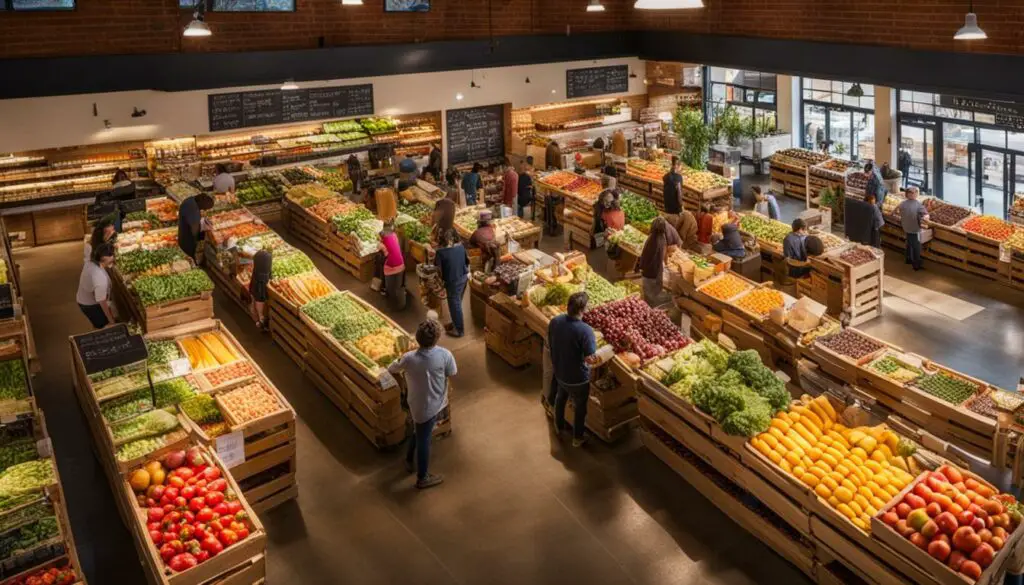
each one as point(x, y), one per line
point(180, 367)
point(387, 381)
point(231, 449)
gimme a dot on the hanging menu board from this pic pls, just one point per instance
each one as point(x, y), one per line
point(475, 133)
point(230, 111)
point(110, 348)
point(596, 81)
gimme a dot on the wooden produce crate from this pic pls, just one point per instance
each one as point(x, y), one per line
point(286, 328)
point(268, 472)
point(793, 178)
point(361, 394)
point(234, 560)
point(936, 569)
point(307, 227)
point(506, 333)
point(173, 313)
point(983, 258)
point(343, 251)
point(268, 210)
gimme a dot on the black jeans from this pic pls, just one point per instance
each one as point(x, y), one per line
point(580, 396)
point(914, 250)
point(455, 292)
point(419, 446)
point(95, 315)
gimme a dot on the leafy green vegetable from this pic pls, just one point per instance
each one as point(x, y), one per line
point(13, 383)
point(760, 379)
point(140, 260)
point(128, 405)
point(417, 232)
point(27, 537)
point(25, 478)
point(637, 209)
point(598, 288)
point(148, 216)
point(173, 391)
point(740, 410)
point(202, 409)
point(163, 352)
point(143, 447)
point(18, 451)
point(328, 310)
point(114, 386)
point(153, 290)
point(347, 223)
point(354, 327)
point(291, 265)
point(148, 424)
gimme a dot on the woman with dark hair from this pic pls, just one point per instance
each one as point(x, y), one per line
point(426, 371)
point(392, 267)
point(472, 183)
point(190, 222)
point(262, 270)
point(103, 232)
point(94, 287)
point(652, 259)
point(120, 176)
point(444, 220)
point(453, 262)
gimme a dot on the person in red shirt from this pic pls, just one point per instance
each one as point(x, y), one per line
point(510, 181)
point(612, 214)
point(705, 223)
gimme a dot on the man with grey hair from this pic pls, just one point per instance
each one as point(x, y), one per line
point(913, 215)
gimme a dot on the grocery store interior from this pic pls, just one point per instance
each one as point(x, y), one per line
point(839, 405)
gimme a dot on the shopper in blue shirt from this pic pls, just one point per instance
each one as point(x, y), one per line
point(453, 263)
point(426, 371)
point(573, 348)
point(472, 183)
point(794, 249)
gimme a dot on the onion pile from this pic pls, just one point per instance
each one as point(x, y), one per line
point(631, 325)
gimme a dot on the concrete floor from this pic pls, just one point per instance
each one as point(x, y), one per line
point(518, 506)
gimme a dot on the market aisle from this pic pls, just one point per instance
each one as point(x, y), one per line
point(518, 506)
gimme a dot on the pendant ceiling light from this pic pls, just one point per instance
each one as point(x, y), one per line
point(595, 6)
point(668, 4)
point(289, 85)
point(855, 91)
point(970, 30)
point(198, 27)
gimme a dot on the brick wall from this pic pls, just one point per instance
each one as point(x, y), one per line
point(916, 24)
point(154, 26)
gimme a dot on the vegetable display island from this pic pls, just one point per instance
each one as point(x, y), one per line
point(343, 232)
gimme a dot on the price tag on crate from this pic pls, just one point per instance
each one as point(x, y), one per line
point(44, 447)
point(180, 366)
point(231, 449)
point(387, 381)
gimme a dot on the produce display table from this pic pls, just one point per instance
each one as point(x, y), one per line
point(861, 284)
point(130, 466)
point(579, 194)
point(344, 249)
point(828, 175)
point(506, 332)
point(16, 327)
point(789, 167)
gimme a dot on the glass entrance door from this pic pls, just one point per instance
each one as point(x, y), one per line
point(917, 147)
point(957, 168)
point(993, 181)
point(840, 133)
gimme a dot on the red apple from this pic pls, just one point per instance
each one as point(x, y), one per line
point(966, 539)
point(956, 559)
point(947, 522)
point(939, 550)
point(971, 570)
point(918, 540)
point(903, 509)
point(890, 518)
point(983, 555)
point(933, 509)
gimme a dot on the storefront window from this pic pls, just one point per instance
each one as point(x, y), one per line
point(834, 118)
point(252, 5)
point(38, 4)
point(752, 93)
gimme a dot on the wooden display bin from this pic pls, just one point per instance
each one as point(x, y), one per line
point(223, 568)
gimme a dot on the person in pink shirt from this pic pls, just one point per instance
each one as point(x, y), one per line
point(394, 267)
point(510, 185)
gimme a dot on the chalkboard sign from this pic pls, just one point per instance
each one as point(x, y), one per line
point(6, 302)
point(596, 81)
point(475, 133)
point(229, 111)
point(132, 206)
point(110, 348)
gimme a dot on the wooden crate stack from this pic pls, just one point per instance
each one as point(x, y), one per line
point(342, 249)
point(58, 551)
point(507, 335)
point(369, 398)
point(163, 315)
point(789, 167)
point(241, 564)
point(785, 514)
point(828, 174)
point(268, 474)
point(862, 285)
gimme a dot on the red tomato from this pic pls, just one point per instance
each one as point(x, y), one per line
point(155, 514)
point(172, 492)
point(167, 551)
point(183, 562)
point(156, 536)
point(196, 504)
point(184, 473)
point(227, 537)
point(176, 481)
point(211, 473)
point(189, 516)
point(217, 485)
point(234, 507)
point(221, 509)
point(188, 492)
point(214, 498)
point(243, 533)
point(202, 556)
point(204, 515)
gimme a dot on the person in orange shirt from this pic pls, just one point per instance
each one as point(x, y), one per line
point(705, 224)
point(612, 215)
point(510, 185)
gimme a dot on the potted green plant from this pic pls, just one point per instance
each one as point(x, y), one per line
point(694, 135)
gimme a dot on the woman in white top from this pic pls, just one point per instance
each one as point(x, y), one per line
point(94, 287)
point(223, 182)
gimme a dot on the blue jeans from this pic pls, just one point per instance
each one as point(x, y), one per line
point(580, 396)
point(455, 292)
point(419, 446)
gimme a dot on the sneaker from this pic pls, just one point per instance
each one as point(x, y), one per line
point(579, 442)
point(454, 333)
point(429, 481)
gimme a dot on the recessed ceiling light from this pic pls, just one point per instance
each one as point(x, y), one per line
point(351, 2)
point(554, 91)
point(198, 27)
point(595, 6)
point(970, 31)
point(459, 96)
point(668, 4)
point(289, 86)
